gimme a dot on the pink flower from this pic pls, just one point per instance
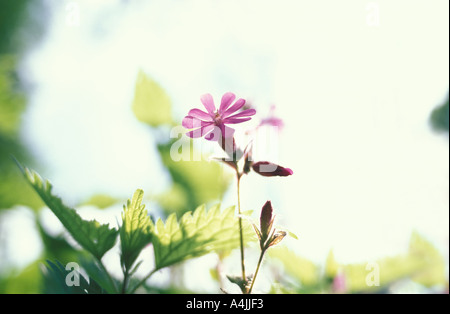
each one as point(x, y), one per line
point(212, 124)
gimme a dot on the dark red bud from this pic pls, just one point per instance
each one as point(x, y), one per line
point(266, 220)
point(268, 169)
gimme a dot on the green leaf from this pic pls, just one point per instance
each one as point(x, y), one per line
point(13, 189)
point(97, 273)
point(439, 118)
point(299, 268)
point(25, 281)
point(100, 201)
point(197, 234)
point(136, 230)
point(151, 104)
point(91, 235)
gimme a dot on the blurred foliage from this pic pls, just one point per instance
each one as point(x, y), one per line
point(13, 189)
point(28, 280)
point(22, 24)
point(56, 247)
point(12, 16)
point(20, 28)
point(301, 270)
point(423, 264)
point(440, 118)
point(151, 104)
point(11, 99)
point(331, 266)
point(194, 182)
point(100, 201)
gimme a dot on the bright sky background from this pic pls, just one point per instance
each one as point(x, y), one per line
point(355, 98)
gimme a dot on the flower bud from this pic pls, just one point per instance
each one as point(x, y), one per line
point(268, 169)
point(266, 220)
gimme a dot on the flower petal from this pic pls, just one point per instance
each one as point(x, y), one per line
point(197, 113)
point(272, 121)
point(237, 105)
point(190, 122)
point(235, 120)
point(201, 131)
point(208, 102)
point(245, 113)
point(227, 100)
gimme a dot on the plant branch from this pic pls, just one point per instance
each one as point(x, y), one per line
point(126, 277)
point(256, 271)
point(140, 283)
point(241, 234)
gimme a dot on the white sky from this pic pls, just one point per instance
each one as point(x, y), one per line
point(355, 100)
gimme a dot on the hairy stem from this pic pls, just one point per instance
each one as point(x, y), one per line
point(241, 234)
point(256, 271)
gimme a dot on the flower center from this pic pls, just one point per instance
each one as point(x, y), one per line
point(217, 118)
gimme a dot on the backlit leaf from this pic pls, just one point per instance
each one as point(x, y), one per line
point(197, 234)
point(91, 235)
point(151, 104)
point(136, 229)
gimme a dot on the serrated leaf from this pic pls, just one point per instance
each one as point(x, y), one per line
point(197, 234)
point(94, 237)
point(151, 104)
point(136, 229)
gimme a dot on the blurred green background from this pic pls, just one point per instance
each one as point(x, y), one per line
point(24, 25)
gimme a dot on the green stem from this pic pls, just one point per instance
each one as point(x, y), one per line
point(240, 228)
point(140, 283)
point(256, 271)
point(111, 281)
point(125, 281)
